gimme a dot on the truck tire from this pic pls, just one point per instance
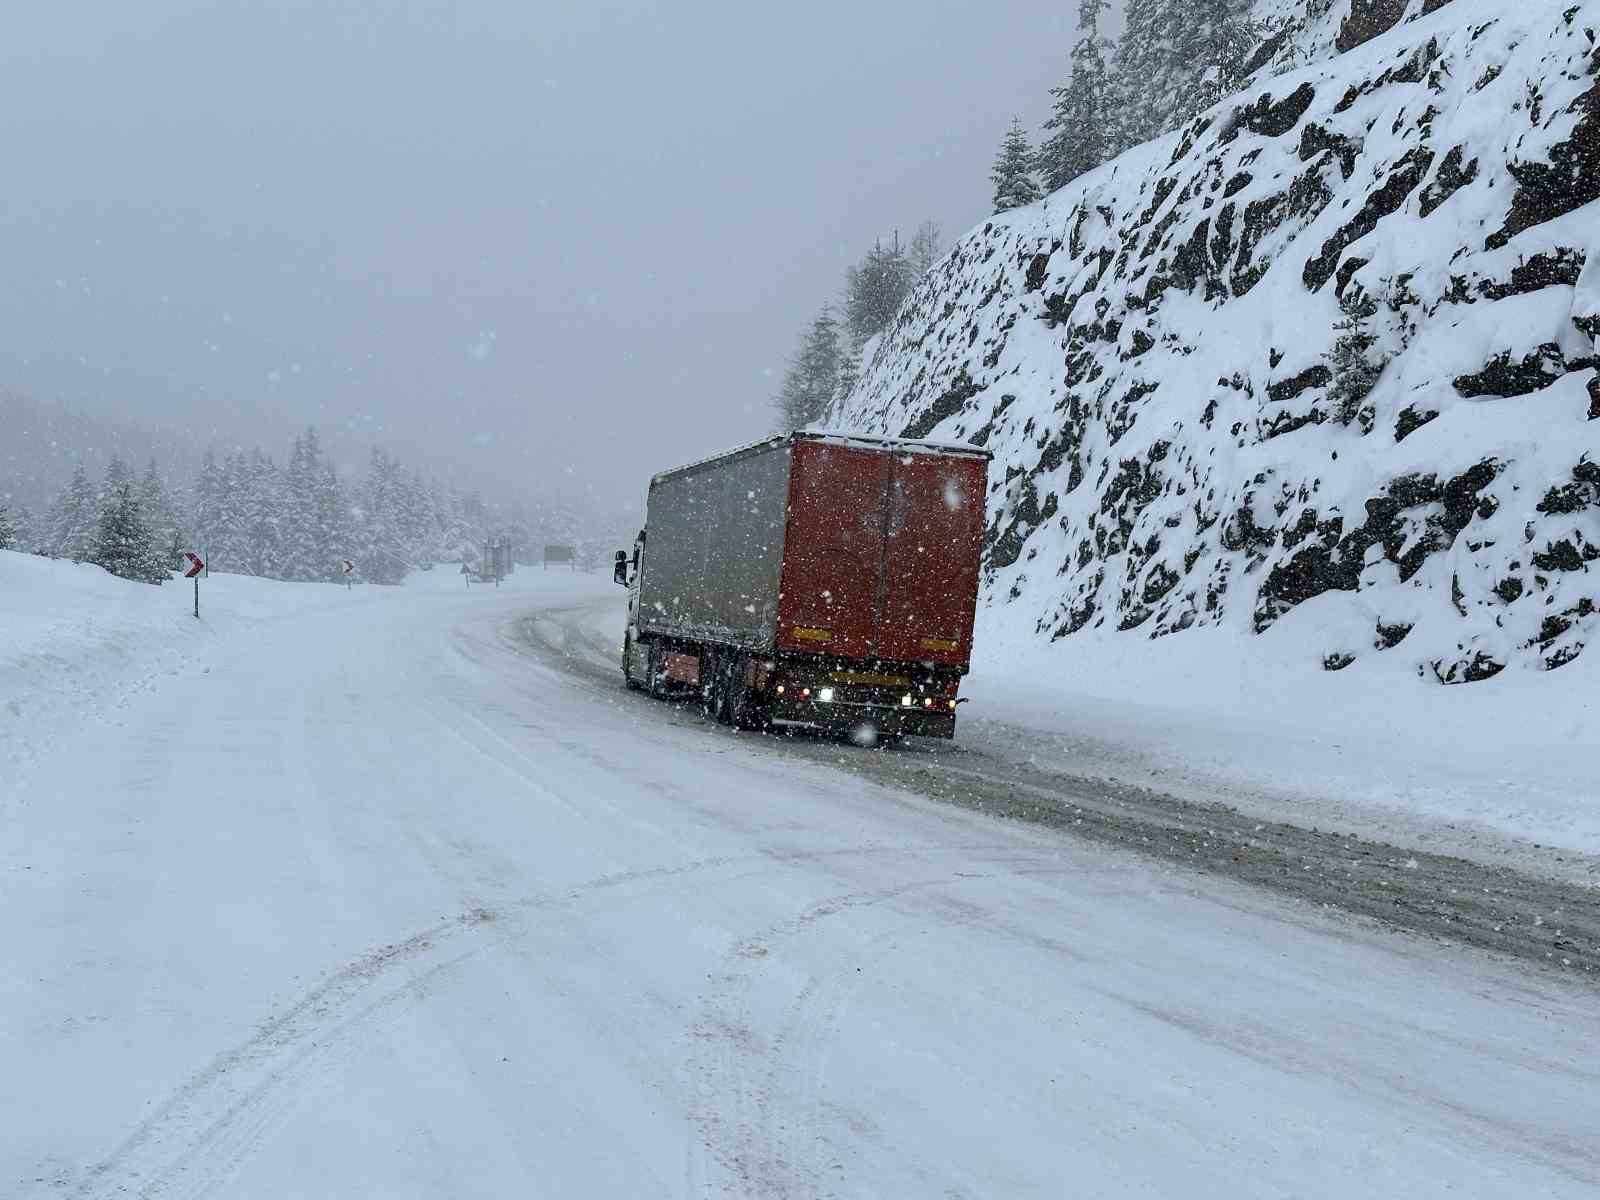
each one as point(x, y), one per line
point(710, 684)
point(652, 677)
point(627, 663)
point(744, 710)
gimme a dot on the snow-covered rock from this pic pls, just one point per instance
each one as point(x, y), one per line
point(1151, 354)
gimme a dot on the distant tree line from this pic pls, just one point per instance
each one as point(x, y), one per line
point(828, 361)
point(1175, 59)
point(246, 514)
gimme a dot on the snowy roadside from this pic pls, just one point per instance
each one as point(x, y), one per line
point(1500, 771)
point(79, 646)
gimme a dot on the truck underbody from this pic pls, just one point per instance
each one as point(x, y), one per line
point(787, 691)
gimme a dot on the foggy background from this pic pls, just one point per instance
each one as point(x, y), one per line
point(545, 249)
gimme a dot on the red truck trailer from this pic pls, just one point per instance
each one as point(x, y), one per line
point(814, 580)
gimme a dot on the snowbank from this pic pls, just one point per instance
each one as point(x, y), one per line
point(79, 645)
point(1258, 723)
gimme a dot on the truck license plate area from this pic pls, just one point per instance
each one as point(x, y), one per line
point(682, 668)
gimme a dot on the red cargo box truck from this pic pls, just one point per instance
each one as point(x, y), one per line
point(815, 580)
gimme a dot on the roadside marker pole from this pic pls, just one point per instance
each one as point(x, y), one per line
point(196, 565)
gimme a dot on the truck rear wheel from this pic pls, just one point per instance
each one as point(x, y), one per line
point(627, 663)
point(744, 709)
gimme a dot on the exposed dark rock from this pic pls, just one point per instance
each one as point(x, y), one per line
point(1559, 556)
point(1479, 667)
point(1366, 20)
point(1402, 181)
point(1560, 268)
point(1448, 180)
point(1411, 419)
point(1237, 184)
point(1509, 589)
point(1038, 271)
point(1390, 636)
point(1315, 140)
point(1567, 498)
point(952, 401)
point(1337, 661)
point(1287, 389)
point(1568, 181)
point(1272, 118)
point(1504, 377)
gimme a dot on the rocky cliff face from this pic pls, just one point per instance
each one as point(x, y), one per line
point(1184, 434)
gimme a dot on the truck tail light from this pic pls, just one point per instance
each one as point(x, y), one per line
point(780, 689)
point(952, 706)
point(927, 702)
point(805, 693)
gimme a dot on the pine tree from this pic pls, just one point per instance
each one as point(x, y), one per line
point(8, 528)
point(332, 521)
point(849, 374)
point(1149, 75)
point(1357, 363)
point(1012, 176)
point(1081, 137)
point(205, 512)
point(123, 544)
point(927, 247)
point(73, 522)
point(875, 289)
point(1219, 40)
point(166, 535)
point(304, 550)
point(813, 376)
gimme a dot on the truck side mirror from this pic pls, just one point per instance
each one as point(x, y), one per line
point(619, 571)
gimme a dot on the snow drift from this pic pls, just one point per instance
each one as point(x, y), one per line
point(1154, 356)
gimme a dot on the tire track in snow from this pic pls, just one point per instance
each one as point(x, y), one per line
point(756, 1138)
point(210, 1123)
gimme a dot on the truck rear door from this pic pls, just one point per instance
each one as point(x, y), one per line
point(833, 550)
point(930, 574)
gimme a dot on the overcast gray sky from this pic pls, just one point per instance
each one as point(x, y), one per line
point(527, 241)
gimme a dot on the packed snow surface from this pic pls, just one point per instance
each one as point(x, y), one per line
point(368, 894)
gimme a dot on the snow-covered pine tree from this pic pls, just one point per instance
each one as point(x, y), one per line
point(205, 507)
point(160, 515)
point(122, 544)
point(927, 247)
point(74, 520)
point(1147, 76)
point(1080, 138)
point(383, 558)
point(813, 375)
point(8, 528)
point(332, 522)
point(849, 372)
point(875, 289)
point(1357, 362)
point(1012, 176)
point(1219, 38)
point(302, 550)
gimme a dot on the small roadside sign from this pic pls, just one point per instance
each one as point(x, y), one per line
point(346, 566)
point(196, 565)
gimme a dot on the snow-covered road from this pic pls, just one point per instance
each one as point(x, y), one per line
point(389, 903)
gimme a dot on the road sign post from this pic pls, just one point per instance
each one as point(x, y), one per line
point(196, 565)
point(348, 567)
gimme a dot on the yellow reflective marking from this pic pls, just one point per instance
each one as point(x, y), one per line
point(944, 644)
point(812, 635)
